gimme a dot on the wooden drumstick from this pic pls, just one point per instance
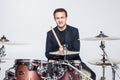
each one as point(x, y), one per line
point(56, 37)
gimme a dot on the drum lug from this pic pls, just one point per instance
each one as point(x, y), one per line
point(21, 72)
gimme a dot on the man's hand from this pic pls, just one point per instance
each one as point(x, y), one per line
point(61, 50)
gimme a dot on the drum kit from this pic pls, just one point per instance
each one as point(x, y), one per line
point(32, 69)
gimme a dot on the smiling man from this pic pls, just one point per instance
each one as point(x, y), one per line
point(68, 37)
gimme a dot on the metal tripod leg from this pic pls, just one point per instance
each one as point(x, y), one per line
point(103, 77)
point(113, 74)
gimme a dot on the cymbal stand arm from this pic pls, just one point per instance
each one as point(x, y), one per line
point(2, 51)
point(65, 51)
point(102, 46)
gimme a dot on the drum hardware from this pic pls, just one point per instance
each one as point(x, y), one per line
point(70, 77)
point(102, 37)
point(105, 56)
point(10, 75)
point(51, 71)
point(2, 54)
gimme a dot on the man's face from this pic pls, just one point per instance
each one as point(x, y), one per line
point(60, 19)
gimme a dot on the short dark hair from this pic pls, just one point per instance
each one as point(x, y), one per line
point(60, 10)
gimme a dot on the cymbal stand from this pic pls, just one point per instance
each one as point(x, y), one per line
point(65, 51)
point(2, 49)
point(102, 46)
point(2, 53)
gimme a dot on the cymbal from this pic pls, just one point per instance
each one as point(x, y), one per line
point(101, 37)
point(62, 54)
point(5, 41)
point(99, 62)
point(13, 43)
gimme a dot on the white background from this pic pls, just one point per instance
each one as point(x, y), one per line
point(27, 21)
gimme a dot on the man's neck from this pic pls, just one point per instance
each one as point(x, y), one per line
point(63, 28)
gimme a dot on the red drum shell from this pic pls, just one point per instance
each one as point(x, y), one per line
point(26, 69)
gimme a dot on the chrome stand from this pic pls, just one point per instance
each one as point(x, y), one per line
point(102, 46)
point(2, 54)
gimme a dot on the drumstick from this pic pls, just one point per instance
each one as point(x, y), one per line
point(56, 37)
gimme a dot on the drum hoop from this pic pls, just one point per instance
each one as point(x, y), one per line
point(74, 61)
point(29, 61)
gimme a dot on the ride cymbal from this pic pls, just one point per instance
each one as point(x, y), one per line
point(101, 37)
point(101, 62)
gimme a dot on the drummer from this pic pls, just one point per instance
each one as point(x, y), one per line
point(68, 36)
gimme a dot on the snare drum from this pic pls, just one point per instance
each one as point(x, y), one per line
point(26, 69)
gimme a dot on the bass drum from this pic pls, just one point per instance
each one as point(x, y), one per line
point(87, 73)
point(26, 69)
point(70, 73)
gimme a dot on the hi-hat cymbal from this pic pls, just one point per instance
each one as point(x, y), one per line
point(99, 62)
point(62, 54)
point(101, 37)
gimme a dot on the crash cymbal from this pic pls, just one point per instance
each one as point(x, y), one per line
point(13, 43)
point(5, 41)
point(101, 37)
point(68, 53)
point(99, 62)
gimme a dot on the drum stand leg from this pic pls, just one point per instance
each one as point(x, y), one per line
point(113, 74)
point(102, 46)
point(103, 66)
point(103, 77)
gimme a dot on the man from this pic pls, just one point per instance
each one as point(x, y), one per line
point(67, 35)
